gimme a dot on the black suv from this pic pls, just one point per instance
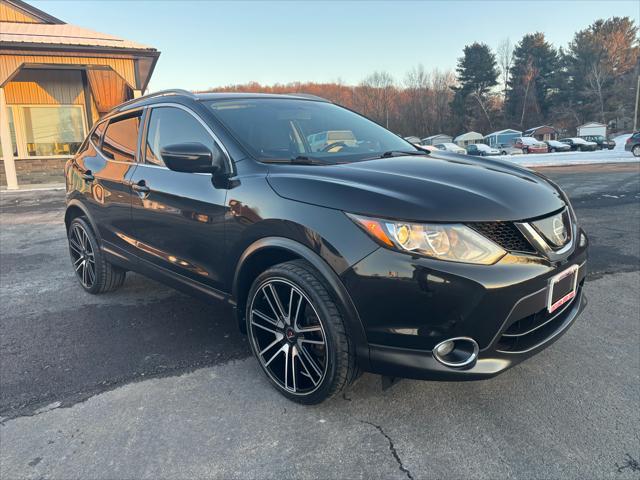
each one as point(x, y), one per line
point(339, 256)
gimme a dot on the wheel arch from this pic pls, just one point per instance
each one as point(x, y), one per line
point(75, 209)
point(269, 251)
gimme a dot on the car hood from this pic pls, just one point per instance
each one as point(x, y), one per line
point(443, 187)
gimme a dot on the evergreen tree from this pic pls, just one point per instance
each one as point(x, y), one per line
point(533, 82)
point(477, 74)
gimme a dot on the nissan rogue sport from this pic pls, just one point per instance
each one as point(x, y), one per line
point(361, 253)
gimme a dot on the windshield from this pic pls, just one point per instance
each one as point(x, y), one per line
point(272, 129)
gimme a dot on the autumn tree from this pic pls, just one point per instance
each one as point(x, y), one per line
point(601, 65)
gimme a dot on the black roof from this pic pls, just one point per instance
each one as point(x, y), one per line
point(185, 94)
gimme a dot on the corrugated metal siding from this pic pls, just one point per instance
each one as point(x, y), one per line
point(123, 66)
point(64, 34)
point(46, 87)
point(8, 13)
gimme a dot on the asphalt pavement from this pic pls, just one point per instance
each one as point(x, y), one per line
point(146, 382)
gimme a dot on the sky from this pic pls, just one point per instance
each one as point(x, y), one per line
point(215, 43)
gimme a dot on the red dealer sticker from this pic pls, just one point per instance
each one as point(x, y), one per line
point(562, 288)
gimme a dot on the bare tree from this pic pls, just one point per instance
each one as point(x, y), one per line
point(528, 78)
point(378, 92)
point(597, 77)
point(505, 62)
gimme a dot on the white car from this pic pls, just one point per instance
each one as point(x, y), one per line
point(451, 147)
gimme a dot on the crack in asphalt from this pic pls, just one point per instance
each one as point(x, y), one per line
point(392, 449)
point(630, 463)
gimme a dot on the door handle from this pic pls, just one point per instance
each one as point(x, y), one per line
point(88, 176)
point(141, 187)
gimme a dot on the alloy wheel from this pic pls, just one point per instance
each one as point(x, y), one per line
point(288, 337)
point(82, 255)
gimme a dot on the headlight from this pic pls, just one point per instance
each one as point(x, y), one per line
point(452, 242)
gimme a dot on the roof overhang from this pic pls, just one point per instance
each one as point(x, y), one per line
point(32, 11)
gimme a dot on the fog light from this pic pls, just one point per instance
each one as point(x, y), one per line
point(458, 352)
point(445, 348)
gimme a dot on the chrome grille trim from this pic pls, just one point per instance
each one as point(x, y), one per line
point(532, 235)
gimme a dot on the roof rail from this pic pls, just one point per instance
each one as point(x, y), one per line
point(160, 93)
point(309, 96)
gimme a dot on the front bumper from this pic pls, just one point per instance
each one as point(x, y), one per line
point(410, 304)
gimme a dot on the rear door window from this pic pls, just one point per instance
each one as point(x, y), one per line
point(121, 139)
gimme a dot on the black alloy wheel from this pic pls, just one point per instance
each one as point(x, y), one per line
point(93, 271)
point(297, 334)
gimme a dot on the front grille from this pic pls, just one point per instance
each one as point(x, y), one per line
point(505, 234)
point(534, 329)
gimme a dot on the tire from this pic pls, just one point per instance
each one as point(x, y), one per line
point(525, 151)
point(636, 150)
point(553, 150)
point(94, 273)
point(306, 331)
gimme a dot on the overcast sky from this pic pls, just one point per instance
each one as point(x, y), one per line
point(210, 43)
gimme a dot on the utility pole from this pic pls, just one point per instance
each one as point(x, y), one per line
point(635, 116)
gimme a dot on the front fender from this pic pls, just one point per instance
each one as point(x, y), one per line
point(339, 293)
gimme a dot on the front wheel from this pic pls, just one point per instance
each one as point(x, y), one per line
point(297, 333)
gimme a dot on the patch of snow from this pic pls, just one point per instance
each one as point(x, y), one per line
point(621, 140)
point(571, 158)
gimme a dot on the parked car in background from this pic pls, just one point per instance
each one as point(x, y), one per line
point(509, 149)
point(414, 140)
point(556, 146)
point(602, 141)
point(577, 143)
point(633, 144)
point(481, 149)
point(363, 257)
point(530, 145)
point(332, 139)
point(428, 148)
point(451, 147)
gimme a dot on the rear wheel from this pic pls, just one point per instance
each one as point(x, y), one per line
point(636, 151)
point(553, 150)
point(297, 333)
point(93, 271)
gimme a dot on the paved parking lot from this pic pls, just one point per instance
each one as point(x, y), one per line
point(147, 382)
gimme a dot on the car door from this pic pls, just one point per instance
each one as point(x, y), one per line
point(178, 217)
point(106, 169)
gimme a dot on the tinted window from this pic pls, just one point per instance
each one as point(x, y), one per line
point(287, 128)
point(97, 133)
point(169, 126)
point(120, 139)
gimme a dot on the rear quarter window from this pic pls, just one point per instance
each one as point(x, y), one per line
point(120, 139)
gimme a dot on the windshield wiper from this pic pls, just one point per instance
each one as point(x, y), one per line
point(299, 160)
point(399, 153)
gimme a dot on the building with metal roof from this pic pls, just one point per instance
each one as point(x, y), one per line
point(56, 80)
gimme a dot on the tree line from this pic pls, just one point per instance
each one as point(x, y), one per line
point(519, 86)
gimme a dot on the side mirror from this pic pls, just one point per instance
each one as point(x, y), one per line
point(191, 158)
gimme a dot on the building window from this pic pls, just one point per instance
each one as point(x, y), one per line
point(49, 130)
